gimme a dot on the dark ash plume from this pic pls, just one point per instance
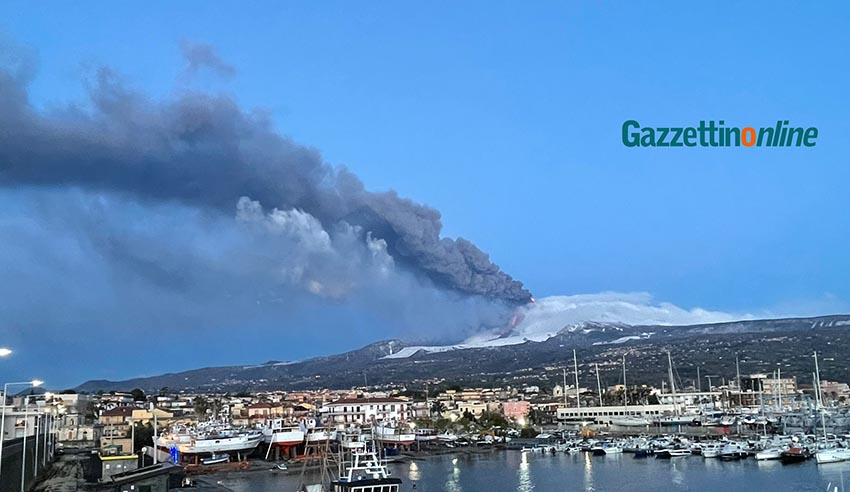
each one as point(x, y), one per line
point(200, 55)
point(204, 151)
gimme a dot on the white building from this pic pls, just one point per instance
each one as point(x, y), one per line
point(364, 410)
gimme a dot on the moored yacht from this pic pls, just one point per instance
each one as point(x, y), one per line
point(834, 455)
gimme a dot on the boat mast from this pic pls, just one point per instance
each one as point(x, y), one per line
point(598, 386)
point(818, 396)
point(738, 380)
point(565, 387)
point(672, 383)
point(575, 365)
point(625, 386)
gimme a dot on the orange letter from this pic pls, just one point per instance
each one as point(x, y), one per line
point(749, 142)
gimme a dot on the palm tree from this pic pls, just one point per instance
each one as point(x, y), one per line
point(438, 408)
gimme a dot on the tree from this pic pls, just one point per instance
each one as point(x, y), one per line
point(437, 408)
point(163, 391)
point(201, 405)
point(216, 405)
point(489, 420)
point(537, 417)
point(138, 394)
point(143, 435)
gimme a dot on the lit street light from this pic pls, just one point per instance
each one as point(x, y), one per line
point(34, 383)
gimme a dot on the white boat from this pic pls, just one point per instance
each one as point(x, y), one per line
point(630, 421)
point(425, 435)
point(447, 437)
point(711, 450)
point(280, 433)
point(677, 420)
point(190, 444)
point(364, 472)
point(834, 455)
point(391, 434)
point(769, 454)
point(732, 452)
point(672, 453)
point(606, 448)
point(314, 433)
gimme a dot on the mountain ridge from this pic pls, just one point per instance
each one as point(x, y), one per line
point(762, 344)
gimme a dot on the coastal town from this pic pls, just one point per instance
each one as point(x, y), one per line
point(123, 434)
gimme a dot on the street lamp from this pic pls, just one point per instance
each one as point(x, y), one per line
point(34, 383)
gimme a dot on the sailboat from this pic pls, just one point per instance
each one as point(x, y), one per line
point(826, 455)
point(677, 418)
point(627, 420)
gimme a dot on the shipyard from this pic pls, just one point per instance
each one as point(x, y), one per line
point(276, 246)
point(117, 440)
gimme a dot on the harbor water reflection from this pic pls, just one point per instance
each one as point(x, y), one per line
point(510, 471)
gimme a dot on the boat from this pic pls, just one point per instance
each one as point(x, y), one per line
point(447, 437)
point(769, 454)
point(605, 448)
point(314, 433)
point(732, 452)
point(215, 459)
point(388, 433)
point(630, 421)
point(365, 472)
point(834, 455)
point(425, 435)
point(672, 453)
point(711, 450)
point(280, 433)
point(194, 443)
point(795, 455)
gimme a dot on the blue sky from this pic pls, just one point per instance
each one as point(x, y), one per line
point(506, 117)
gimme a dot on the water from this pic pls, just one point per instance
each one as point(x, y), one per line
point(512, 471)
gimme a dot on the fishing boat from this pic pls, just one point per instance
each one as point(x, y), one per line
point(280, 433)
point(194, 443)
point(389, 433)
point(314, 433)
point(365, 472)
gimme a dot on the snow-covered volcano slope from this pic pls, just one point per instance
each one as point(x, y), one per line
point(547, 316)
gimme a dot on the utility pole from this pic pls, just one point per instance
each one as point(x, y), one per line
point(699, 382)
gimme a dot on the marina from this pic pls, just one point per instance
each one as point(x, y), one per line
point(511, 471)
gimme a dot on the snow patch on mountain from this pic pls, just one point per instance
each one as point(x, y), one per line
point(548, 316)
